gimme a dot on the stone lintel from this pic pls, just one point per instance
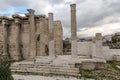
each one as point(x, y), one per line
point(17, 16)
point(5, 18)
point(17, 21)
point(4, 22)
point(42, 15)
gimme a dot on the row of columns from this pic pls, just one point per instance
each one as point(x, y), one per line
point(5, 25)
point(55, 37)
point(53, 43)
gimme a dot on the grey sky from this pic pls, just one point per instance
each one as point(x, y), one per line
point(92, 15)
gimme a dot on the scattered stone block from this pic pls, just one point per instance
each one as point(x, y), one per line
point(88, 65)
point(100, 65)
point(116, 57)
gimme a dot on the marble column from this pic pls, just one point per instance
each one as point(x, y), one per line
point(73, 31)
point(4, 24)
point(51, 26)
point(51, 41)
point(73, 22)
point(58, 37)
point(18, 54)
point(32, 33)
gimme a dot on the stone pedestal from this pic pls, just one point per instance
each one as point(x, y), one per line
point(51, 49)
point(74, 48)
point(97, 48)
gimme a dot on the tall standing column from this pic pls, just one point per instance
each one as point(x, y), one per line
point(17, 23)
point(73, 22)
point(73, 31)
point(5, 37)
point(51, 41)
point(58, 37)
point(32, 33)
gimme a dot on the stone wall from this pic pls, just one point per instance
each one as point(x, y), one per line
point(84, 48)
point(109, 53)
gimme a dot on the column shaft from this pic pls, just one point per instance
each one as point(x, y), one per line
point(73, 22)
point(51, 41)
point(18, 56)
point(32, 34)
point(5, 37)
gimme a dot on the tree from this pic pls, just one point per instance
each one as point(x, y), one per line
point(5, 73)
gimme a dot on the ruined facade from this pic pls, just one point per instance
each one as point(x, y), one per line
point(26, 37)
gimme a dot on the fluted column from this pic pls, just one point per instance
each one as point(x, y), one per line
point(73, 22)
point(18, 54)
point(32, 33)
point(51, 26)
point(4, 24)
point(73, 31)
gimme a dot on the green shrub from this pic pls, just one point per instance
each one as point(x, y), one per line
point(5, 73)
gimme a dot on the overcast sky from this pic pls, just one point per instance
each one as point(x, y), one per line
point(93, 16)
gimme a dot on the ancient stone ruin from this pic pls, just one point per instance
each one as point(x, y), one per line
point(30, 36)
point(37, 40)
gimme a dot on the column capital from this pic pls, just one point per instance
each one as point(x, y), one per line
point(17, 18)
point(50, 13)
point(73, 6)
point(31, 11)
point(4, 20)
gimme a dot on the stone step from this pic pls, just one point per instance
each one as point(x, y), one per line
point(48, 69)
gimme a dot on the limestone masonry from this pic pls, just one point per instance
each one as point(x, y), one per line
point(37, 40)
point(29, 36)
